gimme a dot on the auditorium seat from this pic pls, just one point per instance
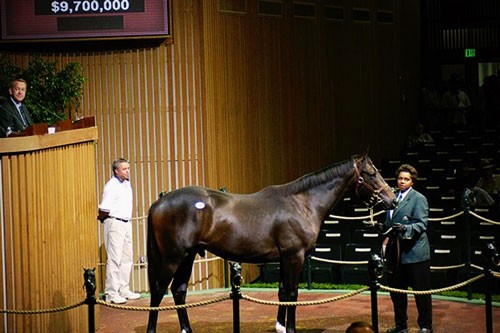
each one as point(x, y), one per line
point(445, 256)
point(357, 273)
point(324, 272)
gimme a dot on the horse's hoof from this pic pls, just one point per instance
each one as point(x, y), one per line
point(280, 328)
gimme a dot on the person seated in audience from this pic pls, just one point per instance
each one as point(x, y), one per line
point(419, 138)
point(489, 181)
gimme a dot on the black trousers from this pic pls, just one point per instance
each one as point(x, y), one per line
point(417, 276)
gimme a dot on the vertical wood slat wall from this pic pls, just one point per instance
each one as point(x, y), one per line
point(243, 101)
point(48, 196)
point(148, 104)
point(290, 93)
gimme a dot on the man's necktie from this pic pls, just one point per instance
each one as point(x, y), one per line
point(23, 115)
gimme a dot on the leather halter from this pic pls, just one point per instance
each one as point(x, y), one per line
point(374, 193)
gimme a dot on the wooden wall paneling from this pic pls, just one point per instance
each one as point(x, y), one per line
point(6, 229)
point(2, 249)
point(39, 223)
point(155, 160)
point(35, 247)
point(170, 128)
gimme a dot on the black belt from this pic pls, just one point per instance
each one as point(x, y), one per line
point(119, 219)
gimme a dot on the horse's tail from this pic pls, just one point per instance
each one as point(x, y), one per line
point(153, 254)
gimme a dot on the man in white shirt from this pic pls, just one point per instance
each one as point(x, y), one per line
point(115, 211)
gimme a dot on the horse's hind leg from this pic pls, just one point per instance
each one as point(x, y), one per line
point(179, 291)
point(158, 283)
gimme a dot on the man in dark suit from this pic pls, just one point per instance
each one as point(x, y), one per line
point(14, 116)
point(408, 252)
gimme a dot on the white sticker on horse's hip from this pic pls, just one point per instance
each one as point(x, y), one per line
point(199, 205)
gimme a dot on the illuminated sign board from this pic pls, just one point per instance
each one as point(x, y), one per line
point(52, 19)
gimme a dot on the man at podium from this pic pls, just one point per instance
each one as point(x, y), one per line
point(14, 116)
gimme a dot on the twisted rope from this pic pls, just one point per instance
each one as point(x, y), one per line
point(432, 291)
point(41, 311)
point(437, 268)
point(331, 261)
point(305, 303)
point(356, 217)
point(446, 217)
point(483, 218)
point(162, 308)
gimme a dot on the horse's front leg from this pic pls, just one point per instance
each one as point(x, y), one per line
point(179, 291)
point(280, 320)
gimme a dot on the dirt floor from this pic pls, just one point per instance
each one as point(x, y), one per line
point(450, 315)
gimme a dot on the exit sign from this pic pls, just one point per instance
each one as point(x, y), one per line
point(470, 53)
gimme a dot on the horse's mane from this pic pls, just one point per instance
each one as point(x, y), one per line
point(315, 179)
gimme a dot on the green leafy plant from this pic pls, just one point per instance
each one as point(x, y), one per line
point(53, 94)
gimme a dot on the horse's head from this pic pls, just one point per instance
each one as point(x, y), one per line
point(370, 185)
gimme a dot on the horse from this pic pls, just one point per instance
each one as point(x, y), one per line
point(279, 223)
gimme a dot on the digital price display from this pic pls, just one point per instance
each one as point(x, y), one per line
point(52, 19)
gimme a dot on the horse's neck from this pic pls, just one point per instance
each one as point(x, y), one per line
point(325, 197)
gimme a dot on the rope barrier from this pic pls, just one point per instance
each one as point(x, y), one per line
point(59, 309)
point(248, 298)
point(446, 217)
point(483, 218)
point(430, 219)
point(331, 261)
point(306, 303)
point(437, 268)
point(163, 308)
point(432, 291)
point(356, 217)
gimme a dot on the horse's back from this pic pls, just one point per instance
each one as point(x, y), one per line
point(180, 215)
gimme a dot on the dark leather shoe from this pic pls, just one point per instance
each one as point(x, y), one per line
point(425, 330)
point(398, 329)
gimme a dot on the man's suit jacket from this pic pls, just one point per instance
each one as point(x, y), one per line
point(10, 117)
point(412, 212)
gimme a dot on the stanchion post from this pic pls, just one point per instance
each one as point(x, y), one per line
point(466, 205)
point(308, 269)
point(492, 258)
point(376, 271)
point(90, 287)
point(236, 294)
point(226, 274)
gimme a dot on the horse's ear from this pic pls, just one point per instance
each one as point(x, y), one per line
point(366, 152)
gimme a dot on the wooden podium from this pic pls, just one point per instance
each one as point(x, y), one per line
point(48, 228)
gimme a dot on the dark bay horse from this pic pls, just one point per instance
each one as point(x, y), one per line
point(277, 224)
